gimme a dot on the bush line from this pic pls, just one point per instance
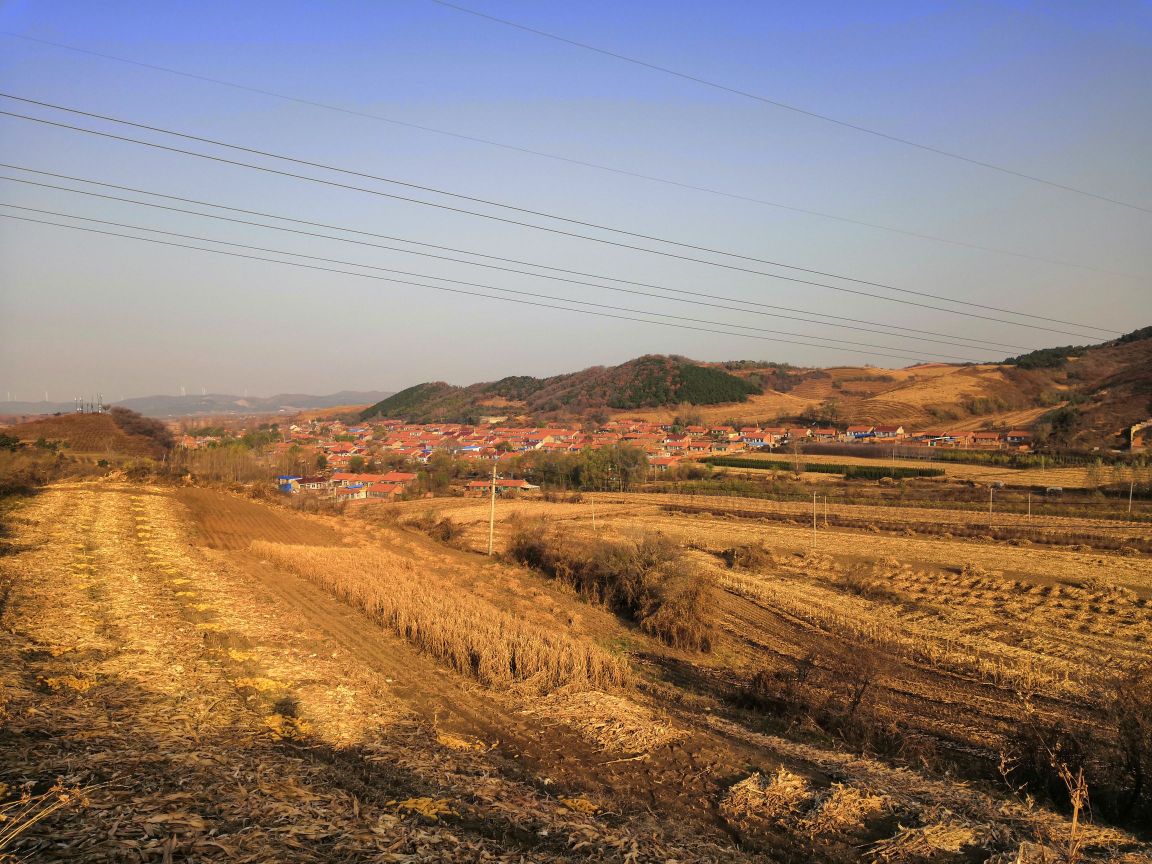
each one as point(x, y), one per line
point(852, 472)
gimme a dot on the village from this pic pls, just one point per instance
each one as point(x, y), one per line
point(336, 458)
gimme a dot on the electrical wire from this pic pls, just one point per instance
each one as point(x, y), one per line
point(584, 163)
point(939, 151)
point(442, 288)
point(458, 281)
point(514, 208)
point(444, 257)
point(890, 326)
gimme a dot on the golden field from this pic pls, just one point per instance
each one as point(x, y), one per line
point(220, 679)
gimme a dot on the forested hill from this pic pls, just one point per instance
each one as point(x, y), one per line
point(1072, 396)
point(653, 381)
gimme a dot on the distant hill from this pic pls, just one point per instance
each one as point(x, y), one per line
point(95, 434)
point(652, 381)
point(212, 404)
point(216, 404)
point(1081, 396)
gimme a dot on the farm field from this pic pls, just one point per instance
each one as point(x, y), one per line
point(1059, 531)
point(228, 680)
point(972, 627)
point(1068, 478)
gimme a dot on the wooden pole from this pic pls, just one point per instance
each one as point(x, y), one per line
point(492, 510)
point(1131, 487)
point(813, 520)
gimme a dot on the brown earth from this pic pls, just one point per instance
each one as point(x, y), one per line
point(228, 709)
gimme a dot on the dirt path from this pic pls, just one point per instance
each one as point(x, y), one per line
point(660, 780)
point(217, 723)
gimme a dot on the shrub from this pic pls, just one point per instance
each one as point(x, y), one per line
point(1128, 707)
point(747, 556)
point(646, 580)
point(137, 424)
point(442, 529)
point(678, 610)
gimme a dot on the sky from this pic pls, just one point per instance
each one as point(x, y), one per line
point(1054, 90)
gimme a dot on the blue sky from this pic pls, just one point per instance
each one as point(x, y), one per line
point(1055, 90)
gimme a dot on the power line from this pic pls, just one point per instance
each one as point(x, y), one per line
point(939, 151)
point(890, 326)
point(440, 287)
point(469, 284)
point(557, 231)
point(625, 172)
point(441, 257)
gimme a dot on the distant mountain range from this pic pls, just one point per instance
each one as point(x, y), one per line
point(212, 404)
point(652, 381)
point(1076, 395)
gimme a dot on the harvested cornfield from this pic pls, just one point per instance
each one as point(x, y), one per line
point(346, 690)
point(472, 637)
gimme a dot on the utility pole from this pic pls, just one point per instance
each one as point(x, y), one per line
point(813, 520)
point(1131, 487)
point(492, 510)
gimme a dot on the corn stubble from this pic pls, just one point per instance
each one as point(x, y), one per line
point(469, 635)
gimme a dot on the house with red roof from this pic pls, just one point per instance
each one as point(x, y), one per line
point(384, 490)
point(773, 434)
point(502, 485)
point(989, 440)
point(400, 477)
point(1019, 438)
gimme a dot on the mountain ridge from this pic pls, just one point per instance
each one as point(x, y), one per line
point(651, 381)
point(210, 404)
point(1076, 396)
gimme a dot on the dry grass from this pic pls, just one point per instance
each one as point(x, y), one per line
point(844, 809)
point(609, 722)
point(758, 802)
point(470, 635)
point(20, 815)
point(937, 841)
point(187, 767)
